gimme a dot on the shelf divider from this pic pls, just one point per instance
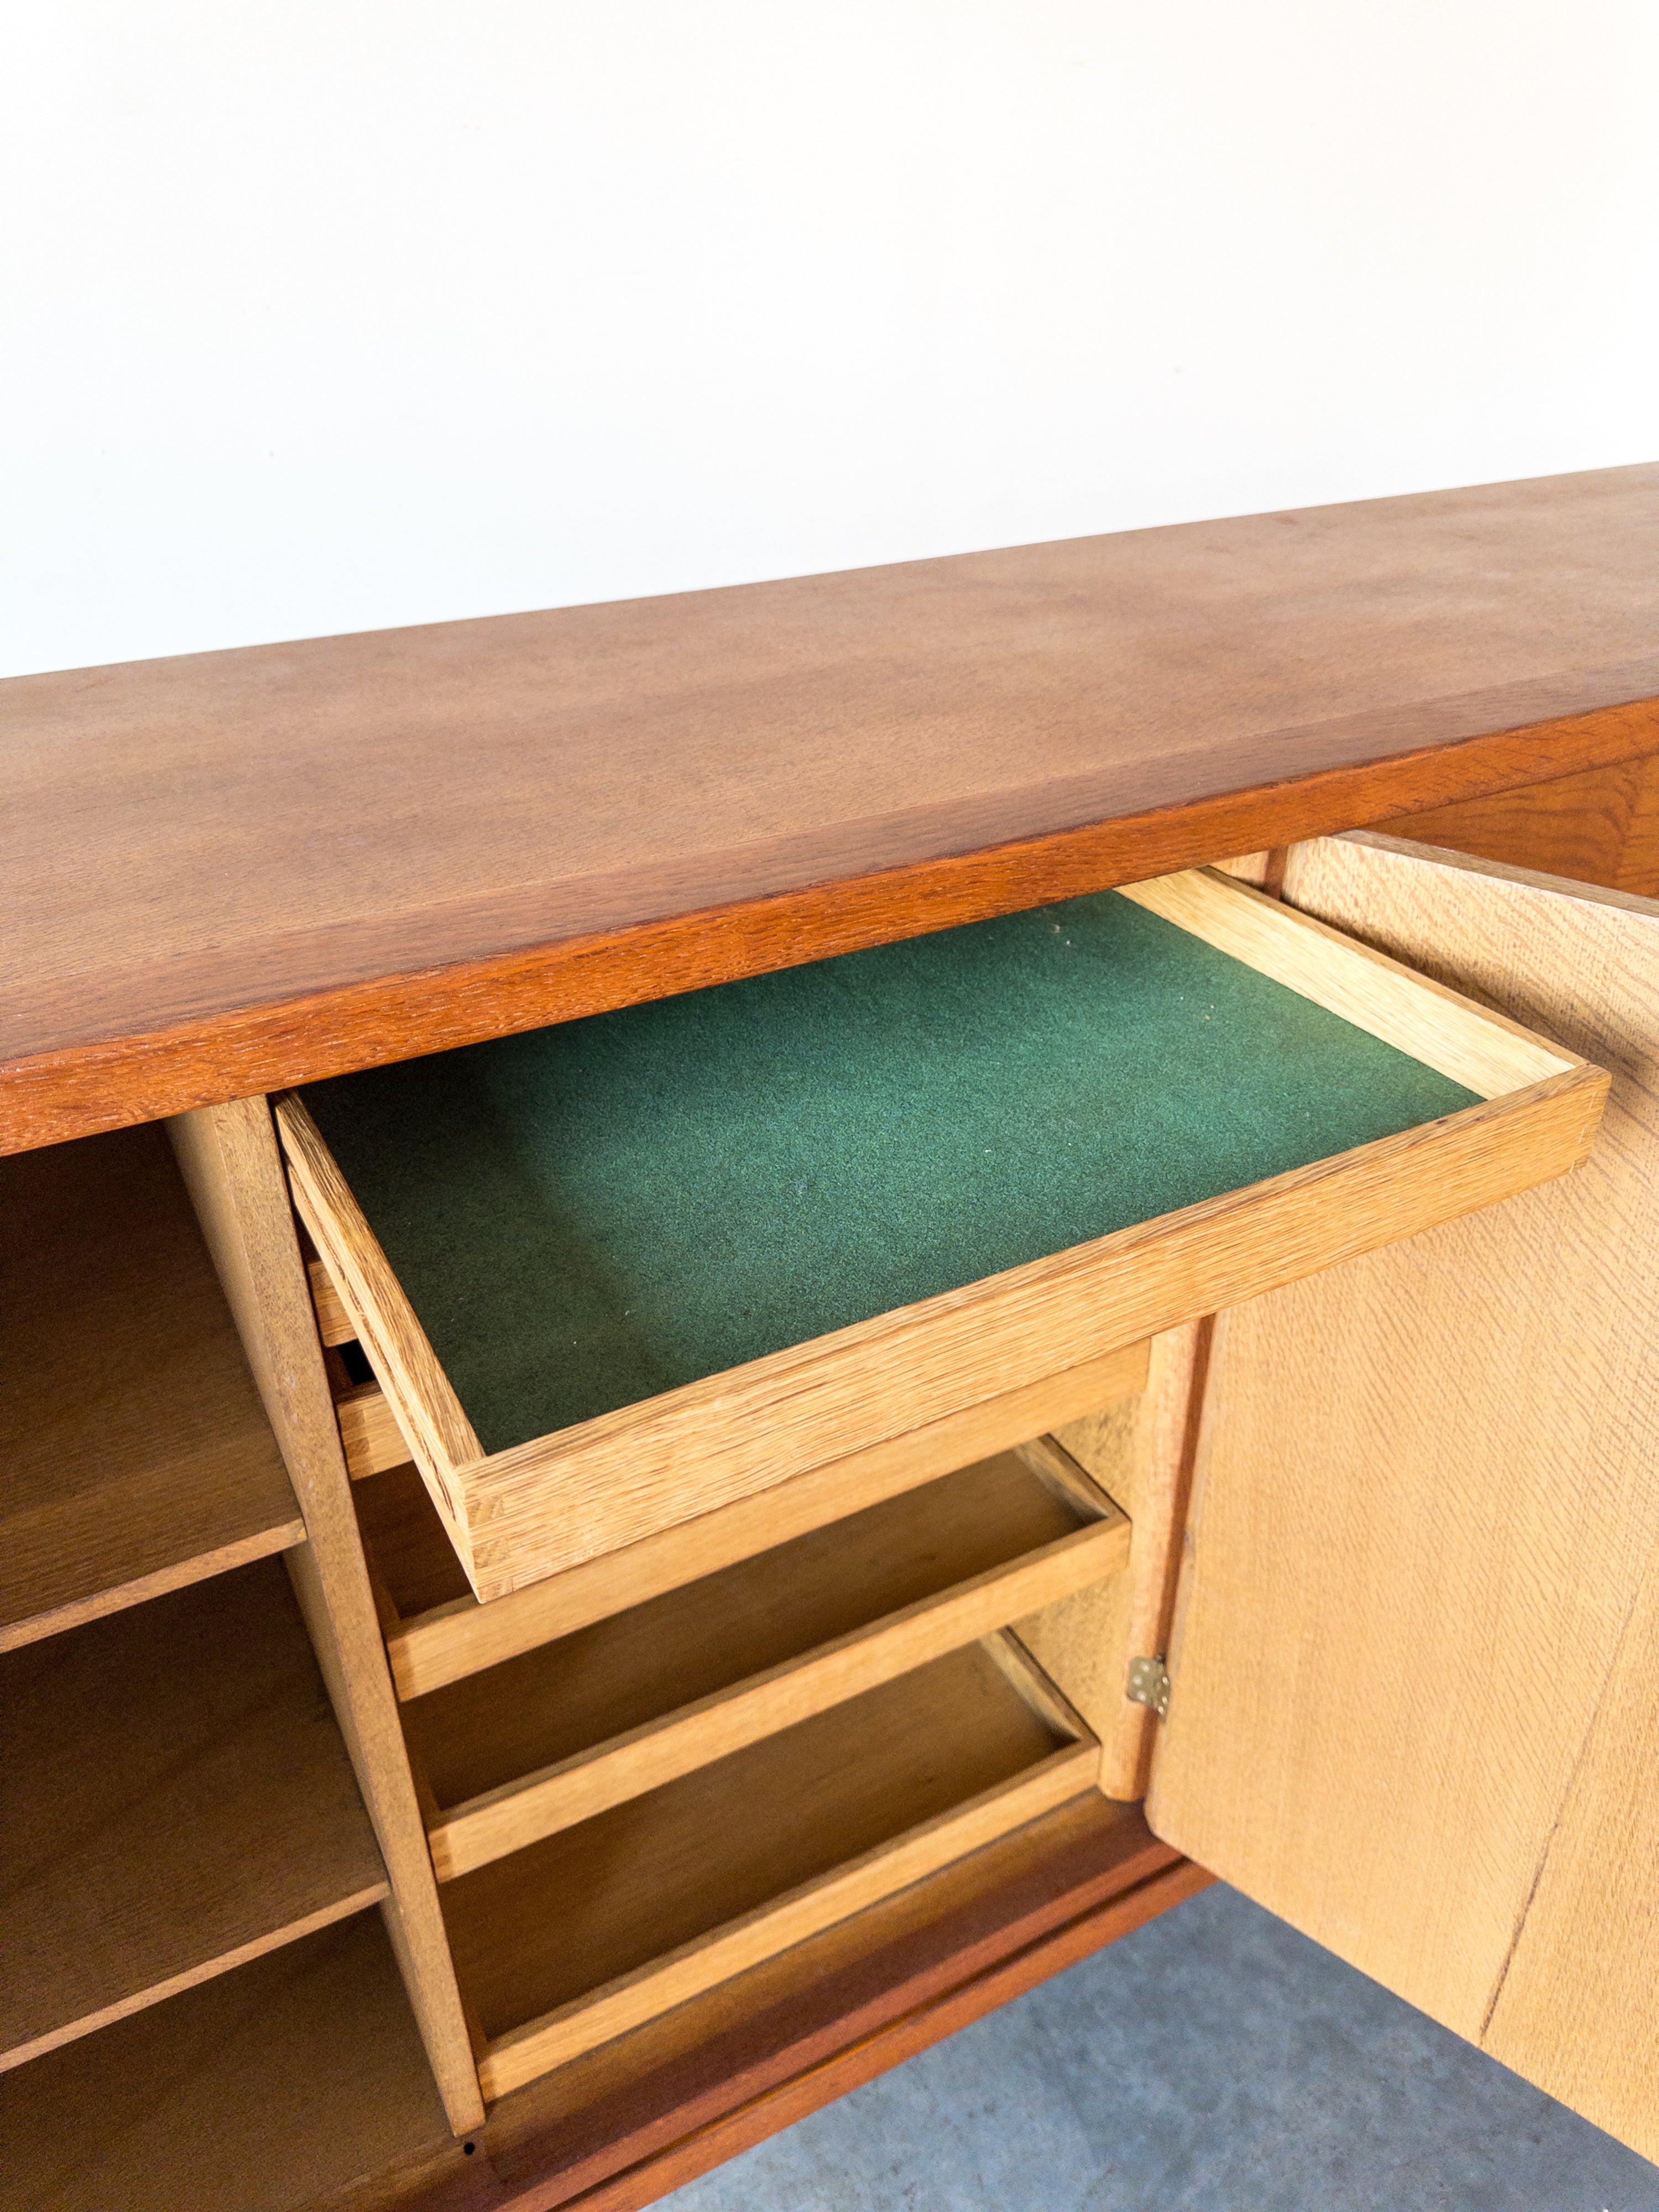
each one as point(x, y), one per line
point(230, 1163)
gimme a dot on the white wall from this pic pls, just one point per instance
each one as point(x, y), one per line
point(324, 314)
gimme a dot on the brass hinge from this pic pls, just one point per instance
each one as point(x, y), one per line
point(1149, 1685)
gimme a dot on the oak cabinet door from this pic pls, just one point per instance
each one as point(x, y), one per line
point(1415, 1661)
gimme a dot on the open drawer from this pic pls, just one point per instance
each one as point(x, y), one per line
point(558, 1735)
point(602, 1926)
point(436, 1630)
point(620, 1274)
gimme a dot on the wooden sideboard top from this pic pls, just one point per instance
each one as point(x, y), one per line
point(231, 870)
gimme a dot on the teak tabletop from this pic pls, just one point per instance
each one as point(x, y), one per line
point(230, 872)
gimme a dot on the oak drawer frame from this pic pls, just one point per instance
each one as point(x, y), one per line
point(1069, 1770)
point(458, 1636)
point(517, 1515)
point(474, 1831)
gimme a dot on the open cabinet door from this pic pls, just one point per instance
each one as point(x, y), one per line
point(1415, 1663)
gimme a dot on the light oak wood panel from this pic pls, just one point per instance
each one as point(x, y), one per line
point(1142, 1453)
point(334, 1324)
point(175, 1799)
point(1578, 2009)
point(639, 1699)
point(458, 1635)
point(1427, 1485)
point(266, 2090)
point(234, 1172)
point(1475, 1047)
point(599, 1927)
point(528, 1512)
point(1601, 826)
point(369, 1435)
point(137, 1456)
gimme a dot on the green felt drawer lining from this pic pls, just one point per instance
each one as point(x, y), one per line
point(590, 1215)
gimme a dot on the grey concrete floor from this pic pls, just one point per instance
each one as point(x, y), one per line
point(1215, 2061)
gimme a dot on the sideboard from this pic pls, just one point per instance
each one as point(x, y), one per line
point(732, 1321)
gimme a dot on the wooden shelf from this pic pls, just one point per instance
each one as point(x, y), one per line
point(601, 1927)
point(137, 1456)
point(622, 2125)
point(263, 2091)
point(175, 1799)
point(436, 1630)
point(637, 1700)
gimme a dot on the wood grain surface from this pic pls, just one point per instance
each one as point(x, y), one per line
point(175, 1799)
point(1449, 1032)
point(552, 813)
point(595, 1929)
point(369, 1435)
point(1141, 1453)
point(1427, 1489)
point(681, 1681)
point(1599, 827)
point(334, 1324)
point(137, 1456)
point(421, 1400)
point(455, 1635)
point(263, 2091)
point(1578, 2011)
point(544, 1506)
point(622, 2125)
point(233, 1172)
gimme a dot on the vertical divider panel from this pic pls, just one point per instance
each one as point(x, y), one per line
point(1141, 1454)
point(231, 1164)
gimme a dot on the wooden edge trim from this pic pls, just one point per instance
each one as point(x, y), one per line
point(615, 1446)
point(1072, 1484)
point(334, 1324)
point(772, 2110)
point(422, 1399)
point(232, 1165)
point(325, 1917)
point(1505, 871)
point(1042, 1694)
point(470, 1834)
point(47, 1096)
point(513, 2059)
point(180, 1575)
point(1049, 1904)
point(462, 1637)
point(1172, 1443)
point(371, 1435)
point(1481, 1049)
